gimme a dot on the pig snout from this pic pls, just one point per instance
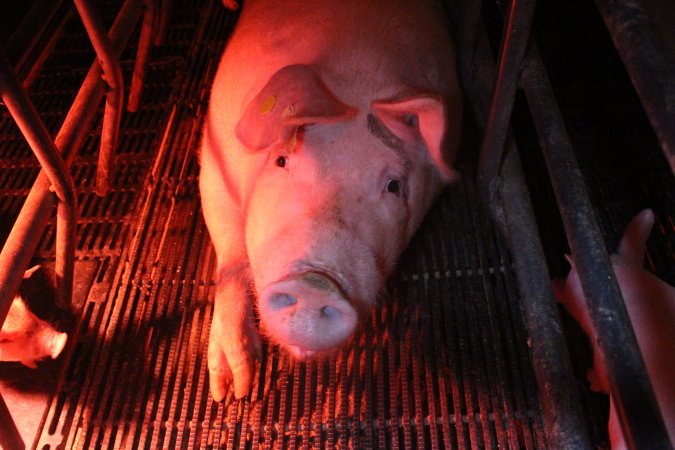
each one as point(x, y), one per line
point(307, 314)
point(56, 343)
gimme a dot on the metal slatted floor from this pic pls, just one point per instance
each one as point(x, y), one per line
point(442, 363)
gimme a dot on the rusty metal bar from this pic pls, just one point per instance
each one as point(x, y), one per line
point(649, 64)
point(514, 42)
point(162, 7)
point(631, 390)
point(564, 419)
point(511, 210)
point(112, 75)
point(26, 37)
point(39, 204)
point(141, 65)
point(35, 132)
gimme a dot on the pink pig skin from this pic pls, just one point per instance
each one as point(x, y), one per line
point(332, 127)
point(651, 307)
point(26, 338)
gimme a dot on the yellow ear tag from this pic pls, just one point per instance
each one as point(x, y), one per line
point(268, 104)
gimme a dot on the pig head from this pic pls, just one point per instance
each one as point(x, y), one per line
point(325, 144)
point(26, 338)
point(650, 304)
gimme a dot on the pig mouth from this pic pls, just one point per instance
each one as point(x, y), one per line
point(309, 269)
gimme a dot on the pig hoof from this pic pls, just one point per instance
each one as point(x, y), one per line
point(233, 348)
point(223, 377)
point(218, 383)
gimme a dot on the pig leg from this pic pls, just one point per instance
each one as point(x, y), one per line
point(234, 339)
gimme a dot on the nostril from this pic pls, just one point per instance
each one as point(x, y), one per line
point(280, 301)
point(330, 312)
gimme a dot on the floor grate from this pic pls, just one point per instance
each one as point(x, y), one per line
point(443, 363)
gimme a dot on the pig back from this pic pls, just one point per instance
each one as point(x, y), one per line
point(366, 44)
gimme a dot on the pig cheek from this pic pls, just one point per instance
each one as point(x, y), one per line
point(272, 231)
point(397, 228)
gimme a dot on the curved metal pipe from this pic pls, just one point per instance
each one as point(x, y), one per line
point(35, 132)
point(39, 204)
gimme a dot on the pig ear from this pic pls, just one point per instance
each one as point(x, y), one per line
point(294, 96)
point(29, 273)
point(231, 4)
point(30, 363)
point(426, 117)
point(632, 244)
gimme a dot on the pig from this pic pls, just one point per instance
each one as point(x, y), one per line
point(26, 338)
point(332, 127)
point(650, 304)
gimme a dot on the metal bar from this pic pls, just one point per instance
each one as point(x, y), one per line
point(112, 74)
point(649, 64)
point(514, 43)
point(35, 132)
point(564, 419)
point(631, 391)
point(162, 7)
point(25, 38)
point(511, 210)
point(39, 204)
point(142, 56)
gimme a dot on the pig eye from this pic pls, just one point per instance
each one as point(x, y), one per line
point(281, 161)
point(394, 187)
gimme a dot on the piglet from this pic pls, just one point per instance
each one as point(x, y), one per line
point(26, 338)
point(650, 303)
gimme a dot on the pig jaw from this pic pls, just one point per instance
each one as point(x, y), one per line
point(307, 314)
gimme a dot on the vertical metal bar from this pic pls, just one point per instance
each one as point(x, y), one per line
point(35, 132)
point(39, 204)
point(142, 56)
point(112, 74)
point(162, 7)
point(511, 210)
point(649, 64)
point(631, 391)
